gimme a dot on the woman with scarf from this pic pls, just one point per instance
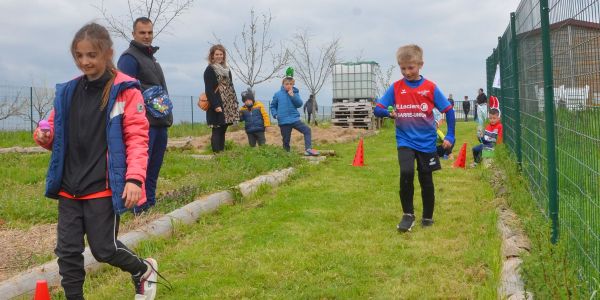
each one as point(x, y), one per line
point(221, 95)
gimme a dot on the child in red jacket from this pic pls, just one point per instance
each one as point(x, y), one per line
point(98, 134)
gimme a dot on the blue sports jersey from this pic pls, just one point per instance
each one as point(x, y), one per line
point(413, 102)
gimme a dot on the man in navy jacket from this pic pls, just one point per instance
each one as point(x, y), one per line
point(138, 61)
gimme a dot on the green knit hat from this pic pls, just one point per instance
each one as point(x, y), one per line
point(289, 72)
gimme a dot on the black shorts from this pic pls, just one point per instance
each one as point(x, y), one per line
point(426, 162)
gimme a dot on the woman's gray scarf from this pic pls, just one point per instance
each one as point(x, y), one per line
point(221, 69)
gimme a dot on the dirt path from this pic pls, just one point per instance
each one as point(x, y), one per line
point(22, 249)
point(320, 137)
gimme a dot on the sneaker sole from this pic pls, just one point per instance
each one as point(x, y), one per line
point(150, 288)
point(406, 230)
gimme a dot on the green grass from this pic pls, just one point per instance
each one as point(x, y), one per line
point(330, 233)
point(22, 183)
point(578, 169)
point(188, 129)
point(16, 138)
point(549, 271)
point(182, 178)
point(23, 138)
point(185, 129)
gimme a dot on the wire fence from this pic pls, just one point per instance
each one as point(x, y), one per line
point(549, 89)
point(22, 107)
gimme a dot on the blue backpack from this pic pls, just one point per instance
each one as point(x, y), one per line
point(157, 101)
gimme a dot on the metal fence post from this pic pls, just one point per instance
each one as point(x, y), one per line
point(192, 110)
point(488, 63)
point(499, 65)
point(517, 100)
point(549, 115)
point(31, 108)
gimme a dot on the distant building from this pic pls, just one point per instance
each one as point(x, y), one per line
point(575, 49)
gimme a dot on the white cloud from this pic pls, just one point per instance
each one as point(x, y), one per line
point(457, 36)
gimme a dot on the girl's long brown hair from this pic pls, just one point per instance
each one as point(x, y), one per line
point(99, 37)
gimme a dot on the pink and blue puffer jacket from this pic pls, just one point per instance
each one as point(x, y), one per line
point(126, 132)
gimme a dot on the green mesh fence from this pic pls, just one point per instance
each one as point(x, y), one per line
point(563, 171)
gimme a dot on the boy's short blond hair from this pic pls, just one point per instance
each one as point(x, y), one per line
point(285, 79)
point(410, 54)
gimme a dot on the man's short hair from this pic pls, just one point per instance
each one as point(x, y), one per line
point(410, 54)
point(285, 79)
point(141, 19)
point(494, 112)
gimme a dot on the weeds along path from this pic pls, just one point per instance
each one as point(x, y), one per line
point(330, 233)
point(27, 219)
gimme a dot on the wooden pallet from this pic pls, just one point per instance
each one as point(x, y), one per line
point(354, 125)
point(353, 100)
point(351, 107)
point(352, 120)
point(356, 114)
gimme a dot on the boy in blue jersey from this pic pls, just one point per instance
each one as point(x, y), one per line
point(413, 99)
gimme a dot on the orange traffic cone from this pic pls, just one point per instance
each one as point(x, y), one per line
point(461, 160)
point(359, 157)
point(41, 291)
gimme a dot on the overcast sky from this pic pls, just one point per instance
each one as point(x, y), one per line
point(456, 35)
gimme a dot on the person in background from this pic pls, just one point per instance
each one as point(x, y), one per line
point(490, 137)
point(481, 109)
point(444, 153)
point(466, 106)
point(220, 92)
point(284, 108)
point(138, 61)
point(255, 117)
point(308, 108)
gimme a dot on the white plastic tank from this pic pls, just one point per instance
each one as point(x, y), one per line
point(355, 80)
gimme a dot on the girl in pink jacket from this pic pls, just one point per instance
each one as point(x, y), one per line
point(98, 134)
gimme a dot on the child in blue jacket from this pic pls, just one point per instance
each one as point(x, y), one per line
point(284, 108)
point(255, 117)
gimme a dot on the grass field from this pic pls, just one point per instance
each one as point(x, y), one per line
point(24, 138)
point(549, 271)
point(16, 138)
point(22, 201)
point(330, 233)
point(578, 176)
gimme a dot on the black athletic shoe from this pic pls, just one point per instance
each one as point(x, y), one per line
point(426, 222)
point(407, 223)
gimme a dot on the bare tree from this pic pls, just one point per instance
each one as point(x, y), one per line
point(383, 79)
point(11, 107)
point(40, 105)
point(360, 56)
point(160, 12)
point(250, 54)
point(313, 70)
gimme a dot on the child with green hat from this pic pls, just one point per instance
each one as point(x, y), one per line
point(284, 108)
